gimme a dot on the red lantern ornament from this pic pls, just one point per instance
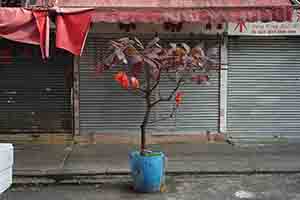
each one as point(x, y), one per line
point(118, 77)
point(122, 79)
point(178, 98)
point(125, 81)
point(135, 84)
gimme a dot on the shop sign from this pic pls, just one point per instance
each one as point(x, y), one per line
point(265, 29)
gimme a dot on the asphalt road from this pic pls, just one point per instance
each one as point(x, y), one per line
point(198, 187)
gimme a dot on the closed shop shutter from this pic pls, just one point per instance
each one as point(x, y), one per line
point(34, 94)
point(104, 105)
point(263, 87)
point(106, 108)
point(200, 109)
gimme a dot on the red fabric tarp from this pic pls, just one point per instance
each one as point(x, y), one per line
point(203, 11)
point(71, 32)
point(25, 26)
point(43, 25)
point(33, 27)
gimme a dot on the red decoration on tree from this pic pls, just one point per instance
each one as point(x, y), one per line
point(135, 84)
point(118, 77)
point(122, 79)
point(178, 98)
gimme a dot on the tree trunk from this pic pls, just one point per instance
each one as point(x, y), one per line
point(143, 130)
point(148, 109)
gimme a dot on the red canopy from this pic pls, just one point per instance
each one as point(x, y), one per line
point(204, 11)
point(72, 26)
point(71, 33)
point(33, 27)
point(25, 26)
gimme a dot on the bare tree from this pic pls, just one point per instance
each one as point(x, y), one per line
point(145, 65)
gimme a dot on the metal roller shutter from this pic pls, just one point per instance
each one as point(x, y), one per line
point(263, 87)
point(200, 108)
point(34, 94)
point(106, 108)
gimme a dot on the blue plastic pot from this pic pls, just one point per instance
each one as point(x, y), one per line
point(147, 171)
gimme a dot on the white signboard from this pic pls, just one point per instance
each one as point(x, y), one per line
point(265, 29)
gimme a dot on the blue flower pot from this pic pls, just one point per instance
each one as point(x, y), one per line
point(147, 171)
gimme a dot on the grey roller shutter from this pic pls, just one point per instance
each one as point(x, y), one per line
point(34, 94)
point(263, 87)
point(105, 107)
point(200, 109)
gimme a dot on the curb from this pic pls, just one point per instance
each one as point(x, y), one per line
point(93, 178)
point(98, 138)
point(246, 172)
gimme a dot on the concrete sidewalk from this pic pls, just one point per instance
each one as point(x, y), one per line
point(40, 160)
point(183, 187)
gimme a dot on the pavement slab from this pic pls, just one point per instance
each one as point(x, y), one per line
point(181, 158)
point(39, 158)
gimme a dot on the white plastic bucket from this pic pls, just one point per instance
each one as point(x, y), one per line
point(6, 165)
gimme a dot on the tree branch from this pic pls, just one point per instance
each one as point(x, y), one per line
point(141, 90)
point(137, 92)
point(165, 118)
point(157, 82)
point(171, 95)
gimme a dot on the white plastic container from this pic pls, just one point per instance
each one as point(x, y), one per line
point(6, 166)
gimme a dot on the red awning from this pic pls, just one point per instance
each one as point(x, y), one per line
point(203, 11)
point(20, 25)
point(71, 33)
point(33, 27)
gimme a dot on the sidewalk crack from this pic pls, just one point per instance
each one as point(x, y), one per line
point(67, 156)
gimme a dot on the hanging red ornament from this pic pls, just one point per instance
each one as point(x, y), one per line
point(122, 79)
point(178, 98)
point(125, 82)
point(135, 83)
point(118, 77)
